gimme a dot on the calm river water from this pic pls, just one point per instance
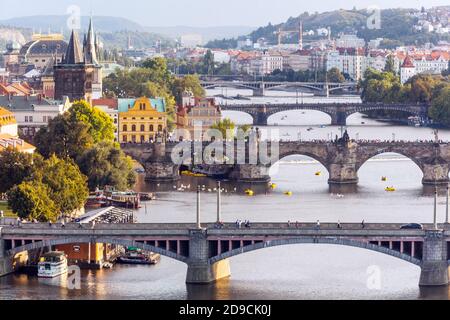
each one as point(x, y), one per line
point(289, 272)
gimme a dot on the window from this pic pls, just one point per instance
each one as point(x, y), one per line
point(30, 118)
point(125, 128)
point(124, 138)
point(160, 128)
point(142, 127)
point(142, 139)
point(151, 128)
point(133, 128)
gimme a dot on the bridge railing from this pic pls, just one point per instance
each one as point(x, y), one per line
point(210, 225)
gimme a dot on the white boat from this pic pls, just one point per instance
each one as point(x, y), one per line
point(52, 264)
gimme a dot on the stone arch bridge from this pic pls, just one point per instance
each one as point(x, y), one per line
point(206, 250)
point(251, 161)
point(260, 88)
point(339, 112)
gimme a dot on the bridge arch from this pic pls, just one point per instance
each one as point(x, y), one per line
point(84, 240)
point(316, 240)
point(363, 159)
point(414, 111)
point(306, 153)
point(234, 85)
point(318, 110)
point(292, 85)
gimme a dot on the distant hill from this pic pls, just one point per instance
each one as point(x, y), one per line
point(56, 23)
point(19, 35)
point(113, 32)
point(113, 24)
point(396, 26)
point(208, 33)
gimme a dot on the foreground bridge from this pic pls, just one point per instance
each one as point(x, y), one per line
point(339, 112)
point(251, 161)
point(260, 88)
point(206, 250)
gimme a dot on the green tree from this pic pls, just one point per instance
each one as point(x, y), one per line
point(31, 200)
point(101, 126)
point(223, 126)
point(187, 83)
point(67, 185)
point(243, 131)
point(159, 71)
point(105, 164)
point(440, 107)
point(64, 138)
point(335, 75)
point(208, 62)
point(15, 166)
point(390, 65)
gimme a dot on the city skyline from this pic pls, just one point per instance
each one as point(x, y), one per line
point(178, 13)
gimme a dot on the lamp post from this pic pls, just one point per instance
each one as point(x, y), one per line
point(219, 202)
point(446, 205)
point(199, 226)
point(435, 209)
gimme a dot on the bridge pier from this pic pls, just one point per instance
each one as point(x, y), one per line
point(200, 271)
point(250, 173)
point(435, 174)
point(343, 176)
point(6, 263)
point(434, 268)
point(259, 92)
point(261, 117)
point(161, 171)
point(339, 119)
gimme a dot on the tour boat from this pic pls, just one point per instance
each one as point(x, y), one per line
point(136, 256)
point(52, 264)
point(390, 189)
point(288, 193)
point(318, 173)
point(128, 199)
point(273, 186)
point(249, 192)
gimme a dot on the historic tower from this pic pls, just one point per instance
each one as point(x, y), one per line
point(79, 75)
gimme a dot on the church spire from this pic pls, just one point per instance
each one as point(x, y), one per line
point(73, 54)
point(90, 54)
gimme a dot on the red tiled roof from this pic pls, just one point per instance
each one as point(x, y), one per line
point(407, 63)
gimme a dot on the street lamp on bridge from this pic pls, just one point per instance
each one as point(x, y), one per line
point(199, 225)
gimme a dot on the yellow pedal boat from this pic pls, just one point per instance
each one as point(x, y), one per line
point(249, 192)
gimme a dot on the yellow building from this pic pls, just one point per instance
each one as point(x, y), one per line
point(9, 137)
point(140, 120)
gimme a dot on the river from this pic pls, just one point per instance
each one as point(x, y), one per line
point(288, 272)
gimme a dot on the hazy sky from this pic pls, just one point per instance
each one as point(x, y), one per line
point(199, 12)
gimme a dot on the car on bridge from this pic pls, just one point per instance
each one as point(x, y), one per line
point(414, 226)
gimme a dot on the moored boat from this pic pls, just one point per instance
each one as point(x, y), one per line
point(136, 256)
point(52, 264)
